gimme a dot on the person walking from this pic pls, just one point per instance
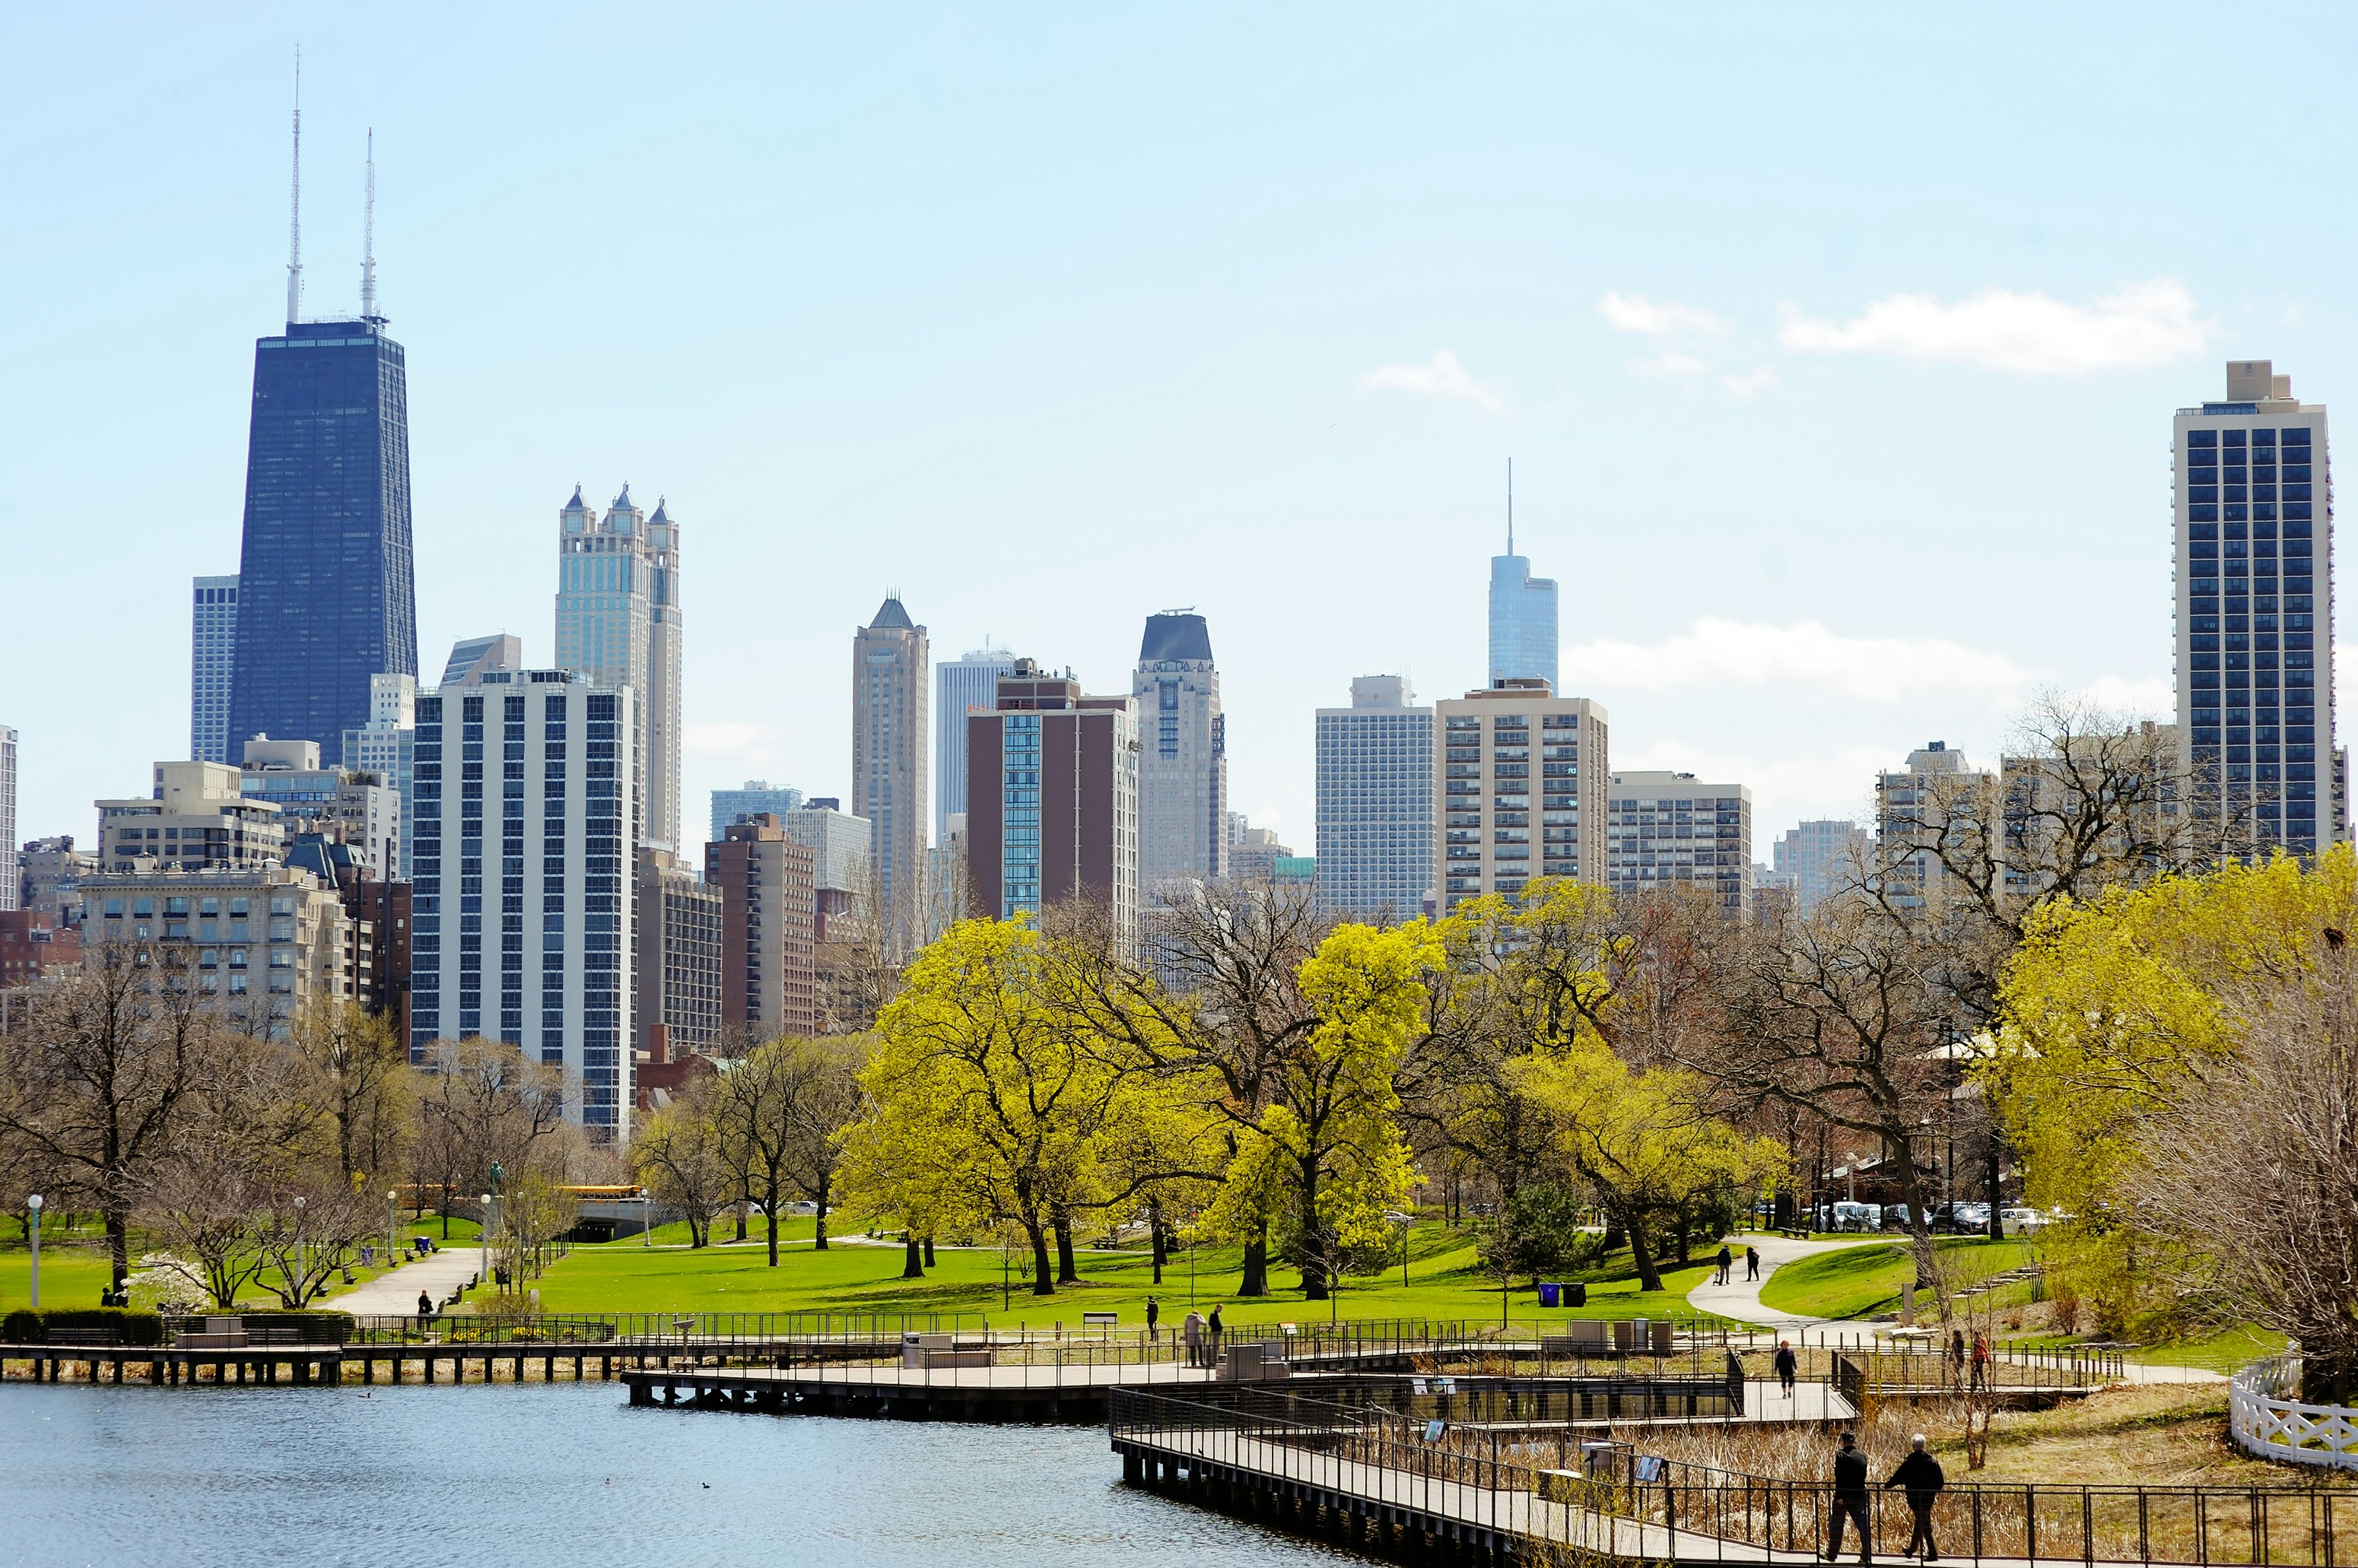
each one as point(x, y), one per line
point(1751, 1264)
point(1956, 1357)
point(1920, 1475)
point(1191, 1331)
point(1787, 1365)
point(1153, 1317)
point(1726, 1260)
point(1981, 1361)
point(1212, 1330)
point(1850, 1499)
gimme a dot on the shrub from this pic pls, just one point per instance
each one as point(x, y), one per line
point(83, 1325)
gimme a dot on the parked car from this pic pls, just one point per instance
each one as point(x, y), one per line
point(1970, 1217)
point(2023, 1221)
point(1857, 1216)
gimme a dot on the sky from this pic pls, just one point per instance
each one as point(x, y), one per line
point(1835, 347)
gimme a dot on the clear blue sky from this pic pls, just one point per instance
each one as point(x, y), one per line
point(1835, 347)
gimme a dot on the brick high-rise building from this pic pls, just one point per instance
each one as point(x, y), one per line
point(679, 958)
point(767, 910)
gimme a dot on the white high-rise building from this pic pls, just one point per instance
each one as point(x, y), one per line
point(11, 888)
point(385, 746)
point(2254, 568)
point(212, 661)
point(1939, 794)
point(1182, 776)
point(618, 622)
point(1521, 792)
point(1375, 802)
point(1819, 859)
point(1667, 828)
point(963, 684)
point(524, 884)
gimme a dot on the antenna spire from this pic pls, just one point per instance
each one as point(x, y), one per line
point(295, 207)
point(1510, 506)
point(368, 237)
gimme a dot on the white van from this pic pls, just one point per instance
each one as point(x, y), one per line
point(1857, 1216)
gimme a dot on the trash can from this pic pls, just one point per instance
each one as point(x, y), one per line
point(1579, 1294)
point(1549, 1292)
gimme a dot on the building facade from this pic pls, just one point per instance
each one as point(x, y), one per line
point(1667, 828)
point(264, 935)
point(960, 685)
point(757, 798)
point(197, 818)
point(363, 813)
point(768, 912)
point(385, 748)
point(1938, 792)
point(618, 622)
point(1819, 859)
point(679, 958)
point(1051, 801)
point(1183, 771)
point(1497, 832)
point(49, 877)
point(1522, 619)
point(524, 891)
point(2254, 586)
point(213, 661)
point(324, 584)
point(839, 842)
point(1375, 785)
point(11, 887)
point(475, 659)
point(890, 688)
point(35, 946)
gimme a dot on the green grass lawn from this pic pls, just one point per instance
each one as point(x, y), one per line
point(1864, 1281)
point(73, 1274)
point(2229, 1350)
point(1445, 1281)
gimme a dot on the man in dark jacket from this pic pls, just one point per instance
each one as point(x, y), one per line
point(1920, 1473)
point(1788, 1364)
point(1850, 1499)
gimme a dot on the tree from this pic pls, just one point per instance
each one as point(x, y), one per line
point(534, 1210)
point(304, 1229)
point(1538, 1230)
point(827, 1103)
point(482, 1104)
point(679, 1157)
point(783, 1104)
point(357, 1072)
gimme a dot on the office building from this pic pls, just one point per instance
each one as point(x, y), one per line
point(679, 958)
point(767, 929)
point(1051, 800)
point(839, 842)
point(2254, 587)
point(755, 799)
point(1666, 828)
point(474, 659)
point(890, 688)
point(1183, 772)
point(48, 878)
point(212, 660)
point(1938, 793)
point(271, 935)
point(1819, 859)
point(376, 921)
point(1522, 617)
point(946, 878)
point(1297, 872)
point(1497, 832)
point(618, 622)
point(11, 889)
point(524, 893)
point(1253, 852)
point(197, 818)
point(385, 747)
point(358, 809)
point(1375, 783)
point(33, 947)
point(960, 685)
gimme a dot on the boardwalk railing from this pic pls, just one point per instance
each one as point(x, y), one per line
point(2271, 1422)
point(1616, 1500)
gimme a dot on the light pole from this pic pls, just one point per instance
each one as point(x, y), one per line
point(1403, 1221)
point(34, 1204)
point(392, 1224)
point(646, 1218)
point(483, 1244)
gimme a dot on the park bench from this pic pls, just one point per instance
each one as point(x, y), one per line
point(1100, 1319)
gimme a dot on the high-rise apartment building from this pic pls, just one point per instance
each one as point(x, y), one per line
point(474, 658)
point(524, 886)
point(49, 877)
point(1666, 827)
point(768, 910)
point(1183, 771)
point(357, 808)
point(260, 936)
point(385, 747)
point(679, 960)
point(618, 621)
point(212, 661)
point(324, 588)
point(1051, 800)
point(1523, 619)
point(755, 799)
point(1938, 793)
point(890, 686)
point(1498, 832)
point(960, 685)
point(197, 818)
point(10, 887)
point(839, 844)
point(1820, 860)
point(2255, 614)
point(35, 946)
point(1375, 783)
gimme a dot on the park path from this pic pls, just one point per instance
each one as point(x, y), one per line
point(395, 1292)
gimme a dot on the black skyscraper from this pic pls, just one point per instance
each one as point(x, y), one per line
point(325, 595)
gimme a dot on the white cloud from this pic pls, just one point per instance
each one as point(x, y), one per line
point(2152, 696)
point(1441, 376)
point(2141, 324)
point(1635, 313)
point(1805, 657)
point(1673, 364)
point(1813, 781)
point(1742, 386)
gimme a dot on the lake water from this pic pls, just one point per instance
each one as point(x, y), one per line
point(567, 1474)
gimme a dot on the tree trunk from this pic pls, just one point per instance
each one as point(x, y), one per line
point(929, 1251)
point(1156, 1242)
point(1919, 1228)
point(912, 1257)
point(1649, 1278)
point(743, 1208)
point(118, 1244)
point(1067, 1272)
point(1253, 1279)
point(819, 1245)
point(774, 1221)
point(1043, 1269)
point(1992, 1185)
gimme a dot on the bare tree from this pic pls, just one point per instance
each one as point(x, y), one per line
point(357, 1072)
point(679, 1158)
point(482, 1104)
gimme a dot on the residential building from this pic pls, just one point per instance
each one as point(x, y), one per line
point(377, 921)
point(1666, 827)
point(946, 878)
point(212, 661)
point(365, 811)
point(839, 843)
point(1522, 618)
point(197, 818)
point(1938, 792)
point(11, 890)
point(1051, 800)
point(757, 798)
point(618, 622)
point(549, 856)
point(1818, 859)
point(35, 946)
point(384, 748)
point(1497, 832)
point(1375, 785)
point(268, 935)
point(2254, 613)
point(960, 686)
point(1297, 871)
point(2046, 804)
point(49, 872)
point(325, 595)
point(768, 912)
point(1253, 852)
point(474, 659)
point(889, 694)
point(1183, 771)
point(679, 963)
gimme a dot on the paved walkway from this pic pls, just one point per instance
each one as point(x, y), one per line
point(394, 1293)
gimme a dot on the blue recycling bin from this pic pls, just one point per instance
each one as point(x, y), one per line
point(1550, 1291)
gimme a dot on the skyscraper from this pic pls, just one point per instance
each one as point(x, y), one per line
point(618, 621)
point(1939, 794)
point(960, 685)
point(1488, 835)
point(212, 660)
point(10, 887)
point(768, 922)
point(1375, 802)
point(1821, 859)
point(1666, 827)
point(1522, 612)
point(472, 658)
point(1052, 807)
point(2255, 614)
point(731, 804)
point(889, 689)
point(386, 746)
point(1182, 776)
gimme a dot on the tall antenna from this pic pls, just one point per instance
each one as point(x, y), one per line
point(1510, 506)
point(368, 237)
point(295, 207)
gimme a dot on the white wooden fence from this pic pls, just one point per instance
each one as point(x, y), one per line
point(2270, 1424)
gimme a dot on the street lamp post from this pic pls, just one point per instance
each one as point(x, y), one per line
point(483, 1244)
point(392, 1224)
point(1403, 1221)
point(34, 1204)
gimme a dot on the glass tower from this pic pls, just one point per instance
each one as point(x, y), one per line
point(325, 597)
point(1522, 621)
point(212, 658)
